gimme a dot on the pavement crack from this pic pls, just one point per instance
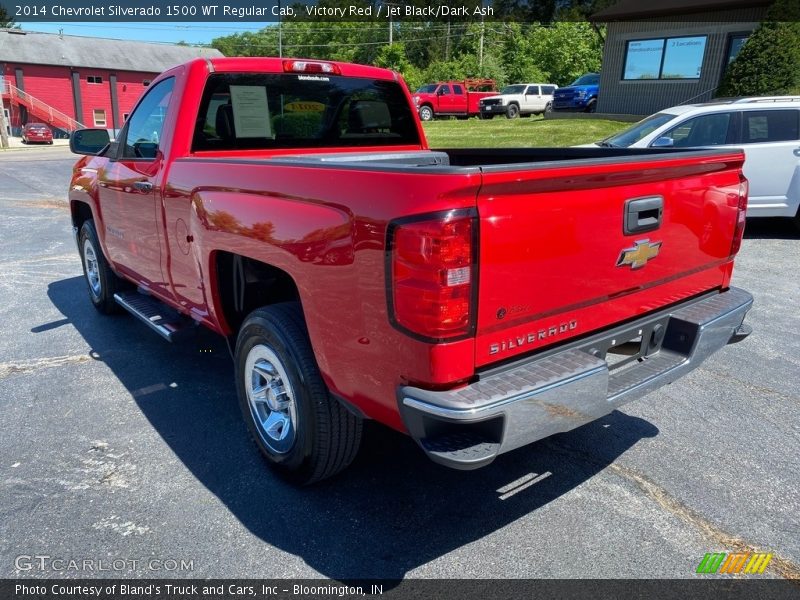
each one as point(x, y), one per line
point(782, 566)
point(29, 366)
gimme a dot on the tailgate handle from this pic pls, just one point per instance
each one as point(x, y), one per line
point(643, 214)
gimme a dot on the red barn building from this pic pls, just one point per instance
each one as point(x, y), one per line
point(70, 82)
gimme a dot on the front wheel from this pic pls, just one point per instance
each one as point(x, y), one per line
point(592, 106)
point(304, 433)
point(101, 281)
point(512, 112)
point(426, 113)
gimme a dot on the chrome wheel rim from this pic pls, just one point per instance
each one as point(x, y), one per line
point(92, 268)
point(271, 399)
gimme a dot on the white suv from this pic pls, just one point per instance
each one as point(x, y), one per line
point(519, 99)
point(766, 128)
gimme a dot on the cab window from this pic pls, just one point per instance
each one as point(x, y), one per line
point(533, 90)
point(144, 127)
point(704, 130)
point(444, 90)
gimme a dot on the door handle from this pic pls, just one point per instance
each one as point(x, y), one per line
point(643, 214)
point(143, 186)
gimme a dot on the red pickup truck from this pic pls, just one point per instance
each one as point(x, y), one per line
point(478, 300)
point(452, 98)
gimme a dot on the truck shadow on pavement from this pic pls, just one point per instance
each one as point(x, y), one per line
point(392, 511)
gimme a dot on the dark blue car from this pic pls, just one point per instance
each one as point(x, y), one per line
point(580, 95)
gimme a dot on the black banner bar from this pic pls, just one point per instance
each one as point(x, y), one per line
point(702, 588)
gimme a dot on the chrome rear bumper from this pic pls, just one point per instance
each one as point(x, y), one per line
point(569, 386)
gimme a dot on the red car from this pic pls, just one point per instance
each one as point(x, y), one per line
point(37, 132)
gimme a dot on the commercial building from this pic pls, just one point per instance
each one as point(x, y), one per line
point(72, 81)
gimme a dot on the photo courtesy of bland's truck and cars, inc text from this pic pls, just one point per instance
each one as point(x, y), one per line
point(462, 299)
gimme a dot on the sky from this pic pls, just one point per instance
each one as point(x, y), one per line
point(172, 32)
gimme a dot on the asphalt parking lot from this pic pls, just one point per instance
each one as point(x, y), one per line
point(118, 446)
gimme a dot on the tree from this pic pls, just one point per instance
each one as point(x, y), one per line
point(6, 20)
point(769, 61)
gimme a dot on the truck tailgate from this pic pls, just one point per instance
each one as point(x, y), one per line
point(556, 260)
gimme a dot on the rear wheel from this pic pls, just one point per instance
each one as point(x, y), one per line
point(101, 281)
point(304, 433)
point(512, 112)
point(426, 113)
point(548, 107)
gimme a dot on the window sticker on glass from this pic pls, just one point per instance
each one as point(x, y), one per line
point(304, 106)
point(250, 111)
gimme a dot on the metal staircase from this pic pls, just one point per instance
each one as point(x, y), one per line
point(38, 109)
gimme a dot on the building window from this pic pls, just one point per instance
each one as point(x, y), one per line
point(94, 79)
point(146, 83)
point(735, 43)
point(770, 126)
point(664, 58)
point(99, 117)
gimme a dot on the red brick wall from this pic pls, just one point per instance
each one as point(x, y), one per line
point(53, 85)
point(49, 84)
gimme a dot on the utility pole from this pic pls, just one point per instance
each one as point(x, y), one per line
point(391, 27)
point(480, 49)
point(3, 131)
point(447, 43)
point(280, 31)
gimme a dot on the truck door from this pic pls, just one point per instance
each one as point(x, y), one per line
point(127, 191)
point(533, 100)
point(444, 99)
point(460, 99)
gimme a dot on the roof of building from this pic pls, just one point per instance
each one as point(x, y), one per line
point(631, 10)
point(17, 46)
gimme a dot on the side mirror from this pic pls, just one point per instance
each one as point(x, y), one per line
point(89, 141)
point(663, 142)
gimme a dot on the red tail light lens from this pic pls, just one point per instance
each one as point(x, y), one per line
point(310, 66)
point(738, 232)
point(431, 269)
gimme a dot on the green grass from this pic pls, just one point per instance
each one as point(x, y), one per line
point(517, 133)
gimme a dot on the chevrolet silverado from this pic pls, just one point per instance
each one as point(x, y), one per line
point(478, 300)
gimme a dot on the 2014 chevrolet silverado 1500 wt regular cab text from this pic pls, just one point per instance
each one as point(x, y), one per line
point(478, 300)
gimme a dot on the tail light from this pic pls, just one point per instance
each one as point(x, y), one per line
point(431, 274)
point(738, 231)
point(310, 66)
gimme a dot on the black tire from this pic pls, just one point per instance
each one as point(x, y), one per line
point(592, 106)
point(548, 108)
point(426, 113)
point(102, 283)
point(325, 435)
point(512, 112)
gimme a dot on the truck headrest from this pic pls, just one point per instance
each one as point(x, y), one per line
point(366, 116)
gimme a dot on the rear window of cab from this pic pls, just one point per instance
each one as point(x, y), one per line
point(274, 111)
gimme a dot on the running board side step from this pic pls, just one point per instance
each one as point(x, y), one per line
point(166, 322)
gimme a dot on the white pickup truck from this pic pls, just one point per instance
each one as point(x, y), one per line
point(519, 99)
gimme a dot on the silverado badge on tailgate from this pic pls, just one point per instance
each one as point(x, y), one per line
point(639, 254)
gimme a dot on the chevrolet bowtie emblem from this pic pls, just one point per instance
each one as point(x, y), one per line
point(638, 256)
